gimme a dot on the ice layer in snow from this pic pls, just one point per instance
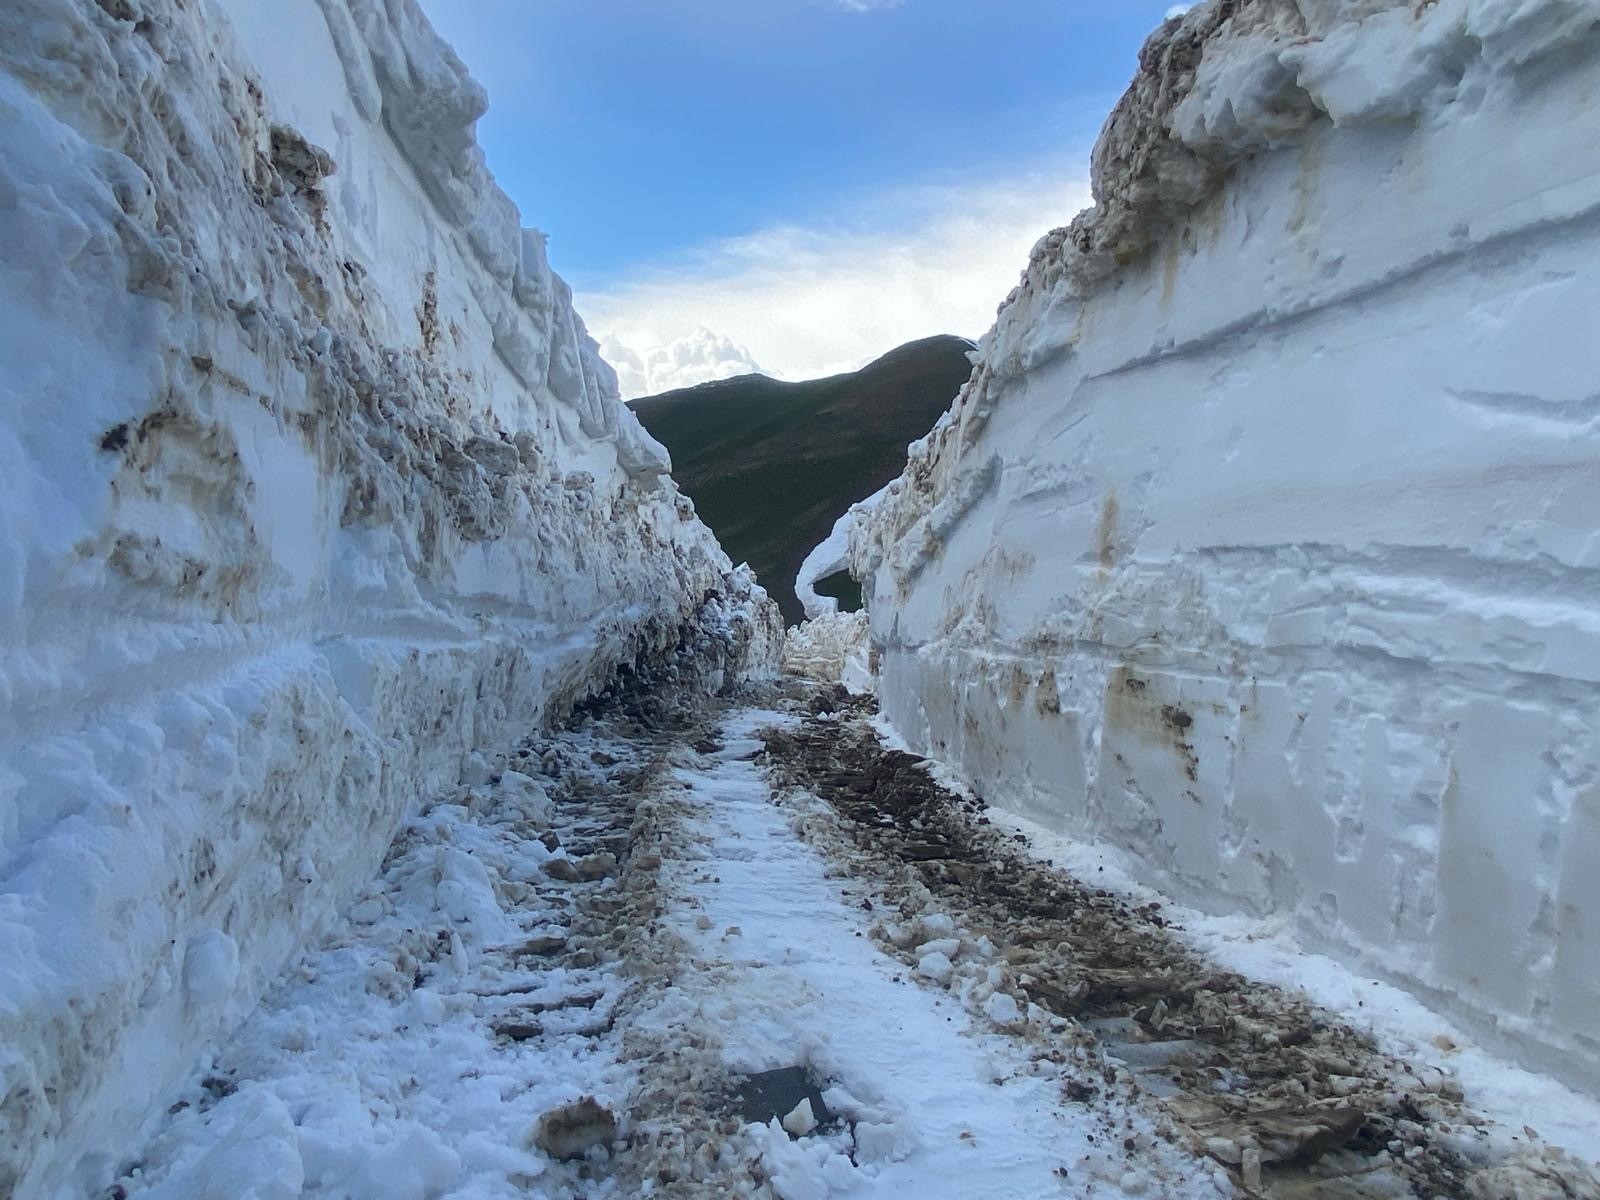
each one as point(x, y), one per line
point(1265, 541)
point(311, 485)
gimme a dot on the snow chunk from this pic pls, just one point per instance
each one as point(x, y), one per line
point(254, 1154)
point(800, 1120)
point(935, 925)
point(1002, 1009)
point(884, 1141)
point(210, 968)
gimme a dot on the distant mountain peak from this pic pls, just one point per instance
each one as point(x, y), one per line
point(772, 464)
point(699, 356)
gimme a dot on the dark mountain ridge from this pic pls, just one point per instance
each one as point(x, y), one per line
point(771, 465)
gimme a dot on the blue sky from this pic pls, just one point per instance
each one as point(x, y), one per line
point(670, 145)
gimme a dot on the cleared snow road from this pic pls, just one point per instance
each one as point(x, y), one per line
point(687, 950)
point(616, 914)
point(783, 973)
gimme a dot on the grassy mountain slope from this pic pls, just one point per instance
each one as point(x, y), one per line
point(771, 465)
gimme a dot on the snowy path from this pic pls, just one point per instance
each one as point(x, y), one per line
point(627, 918)
point(414, 1055)
point(617, 963)
point(784, 973)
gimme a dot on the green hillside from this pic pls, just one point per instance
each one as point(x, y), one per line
point(771, 465)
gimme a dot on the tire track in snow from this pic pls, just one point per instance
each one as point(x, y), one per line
point(567, 969)
point(781, 973)
point(558, 980)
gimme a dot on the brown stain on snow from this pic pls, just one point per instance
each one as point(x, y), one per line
point(1106, 531)
point(1131, 705)
point(1170, 258)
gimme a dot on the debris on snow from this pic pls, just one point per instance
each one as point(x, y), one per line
point(576, 1129)
point(1246, 1072)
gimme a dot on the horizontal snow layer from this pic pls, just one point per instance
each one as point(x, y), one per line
point(1272, 554)
point(311, 484)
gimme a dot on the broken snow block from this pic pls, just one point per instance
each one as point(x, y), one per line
point(518, 1031)
point(1288, 1134)
point(800, 1121)
point(543, 945)
point(573, 1130)
point(1281, 1135)
point(597, 866)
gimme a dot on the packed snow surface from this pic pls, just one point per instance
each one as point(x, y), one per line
point(674, 950)
point(473, 990)
point(312, 486)
point(933, 1103)
point(1265, 541)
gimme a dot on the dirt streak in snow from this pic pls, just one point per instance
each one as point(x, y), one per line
point(780, 972)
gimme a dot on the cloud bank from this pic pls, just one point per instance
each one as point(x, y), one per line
point(816, 300)
point(699, 356)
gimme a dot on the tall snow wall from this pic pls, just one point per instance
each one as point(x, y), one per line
point(1265, 540)
point(311, 485)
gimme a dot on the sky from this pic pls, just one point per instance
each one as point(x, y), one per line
point(795, 186)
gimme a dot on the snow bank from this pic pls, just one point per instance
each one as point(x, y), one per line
point(829, 557)
point(831, 648)
point(311, 484)
point(1264, 540)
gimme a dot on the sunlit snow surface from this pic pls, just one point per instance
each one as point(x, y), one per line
point(1263, 543)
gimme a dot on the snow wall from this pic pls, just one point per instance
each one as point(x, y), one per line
point(311, 485)
point(1265, 540)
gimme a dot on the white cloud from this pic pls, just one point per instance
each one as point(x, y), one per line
point(810, 301)
point(699, 356)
